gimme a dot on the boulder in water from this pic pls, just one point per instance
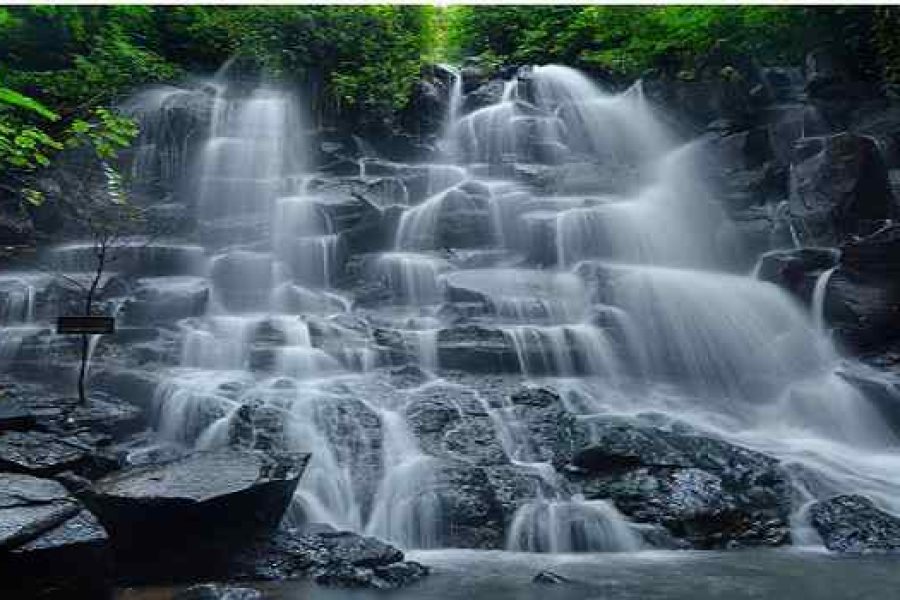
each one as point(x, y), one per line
point(550, 578)
point(703, 490)
point(852, 524)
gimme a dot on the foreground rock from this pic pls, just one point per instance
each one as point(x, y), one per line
point(218, 495)
point(853, 524)
point(210, 591)
point(48, 540)
point(341, 559)
point(704, 491)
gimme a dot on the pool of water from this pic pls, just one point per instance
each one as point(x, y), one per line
point(483, 575)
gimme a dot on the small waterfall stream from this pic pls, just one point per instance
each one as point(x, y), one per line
point(606, 282)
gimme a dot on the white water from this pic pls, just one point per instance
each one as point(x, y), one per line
point(627, 309)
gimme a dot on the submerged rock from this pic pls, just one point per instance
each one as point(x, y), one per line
point(853, 524)
point(550, 578)
point(705, 491)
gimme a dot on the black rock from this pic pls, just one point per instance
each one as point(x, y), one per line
point(48, 541)
point(853, 524)
point(332, 558)
point(840, 184)
point(549, 577)
point(190, 500)
point(211, 591)
point(38, 453)
point(703, 490)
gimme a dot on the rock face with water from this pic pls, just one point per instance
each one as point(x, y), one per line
point(461, 331)
point(704, 491)
point(853, 524)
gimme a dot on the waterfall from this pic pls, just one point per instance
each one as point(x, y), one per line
point(564, 237)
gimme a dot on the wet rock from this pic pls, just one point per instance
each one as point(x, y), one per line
point(476, 349)
point(704, 491)
point(862, 309)
point(211, 591)
point(484, 95)
point(38, 453)
point(549, 578)
point(875, 254)
point(355, 433)
point(186, 501)
point(840, 184)
point(49, 541)
point(337, 558)
point(796, 270)
point(471, 514)
point(464, 221)
point(549, 429)
point(455, 427)
point(852, 524)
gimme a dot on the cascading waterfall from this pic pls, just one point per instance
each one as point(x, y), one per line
point(605, 282)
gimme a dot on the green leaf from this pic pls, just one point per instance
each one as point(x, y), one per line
point(14, 98)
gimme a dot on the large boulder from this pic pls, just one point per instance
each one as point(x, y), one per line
point(48, 540)
point(185, 502)
point(853, 524)
point(840, 186)
point(702, 490)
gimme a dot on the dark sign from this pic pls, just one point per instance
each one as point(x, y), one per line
point(85, 325)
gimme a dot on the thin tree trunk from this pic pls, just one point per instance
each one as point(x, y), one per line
point(88, 310)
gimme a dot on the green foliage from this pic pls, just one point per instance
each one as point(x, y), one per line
point(630, 39)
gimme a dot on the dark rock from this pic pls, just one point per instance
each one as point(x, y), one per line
point(341, 559)
point(796, 270)
point(175, 504)
point(862, 309)
point(853, 524)
point(49, 541)
point(211, 591)
point(840, 184)
point(705, 491)
point(454, 427)
point(38, 453)
point(549, 577)
point(875, 254)
point(485, 95)
point(549, 429)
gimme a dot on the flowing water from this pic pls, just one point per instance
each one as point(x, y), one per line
point(607, 285)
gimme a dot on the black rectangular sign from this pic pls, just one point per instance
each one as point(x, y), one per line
point(86, 324)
